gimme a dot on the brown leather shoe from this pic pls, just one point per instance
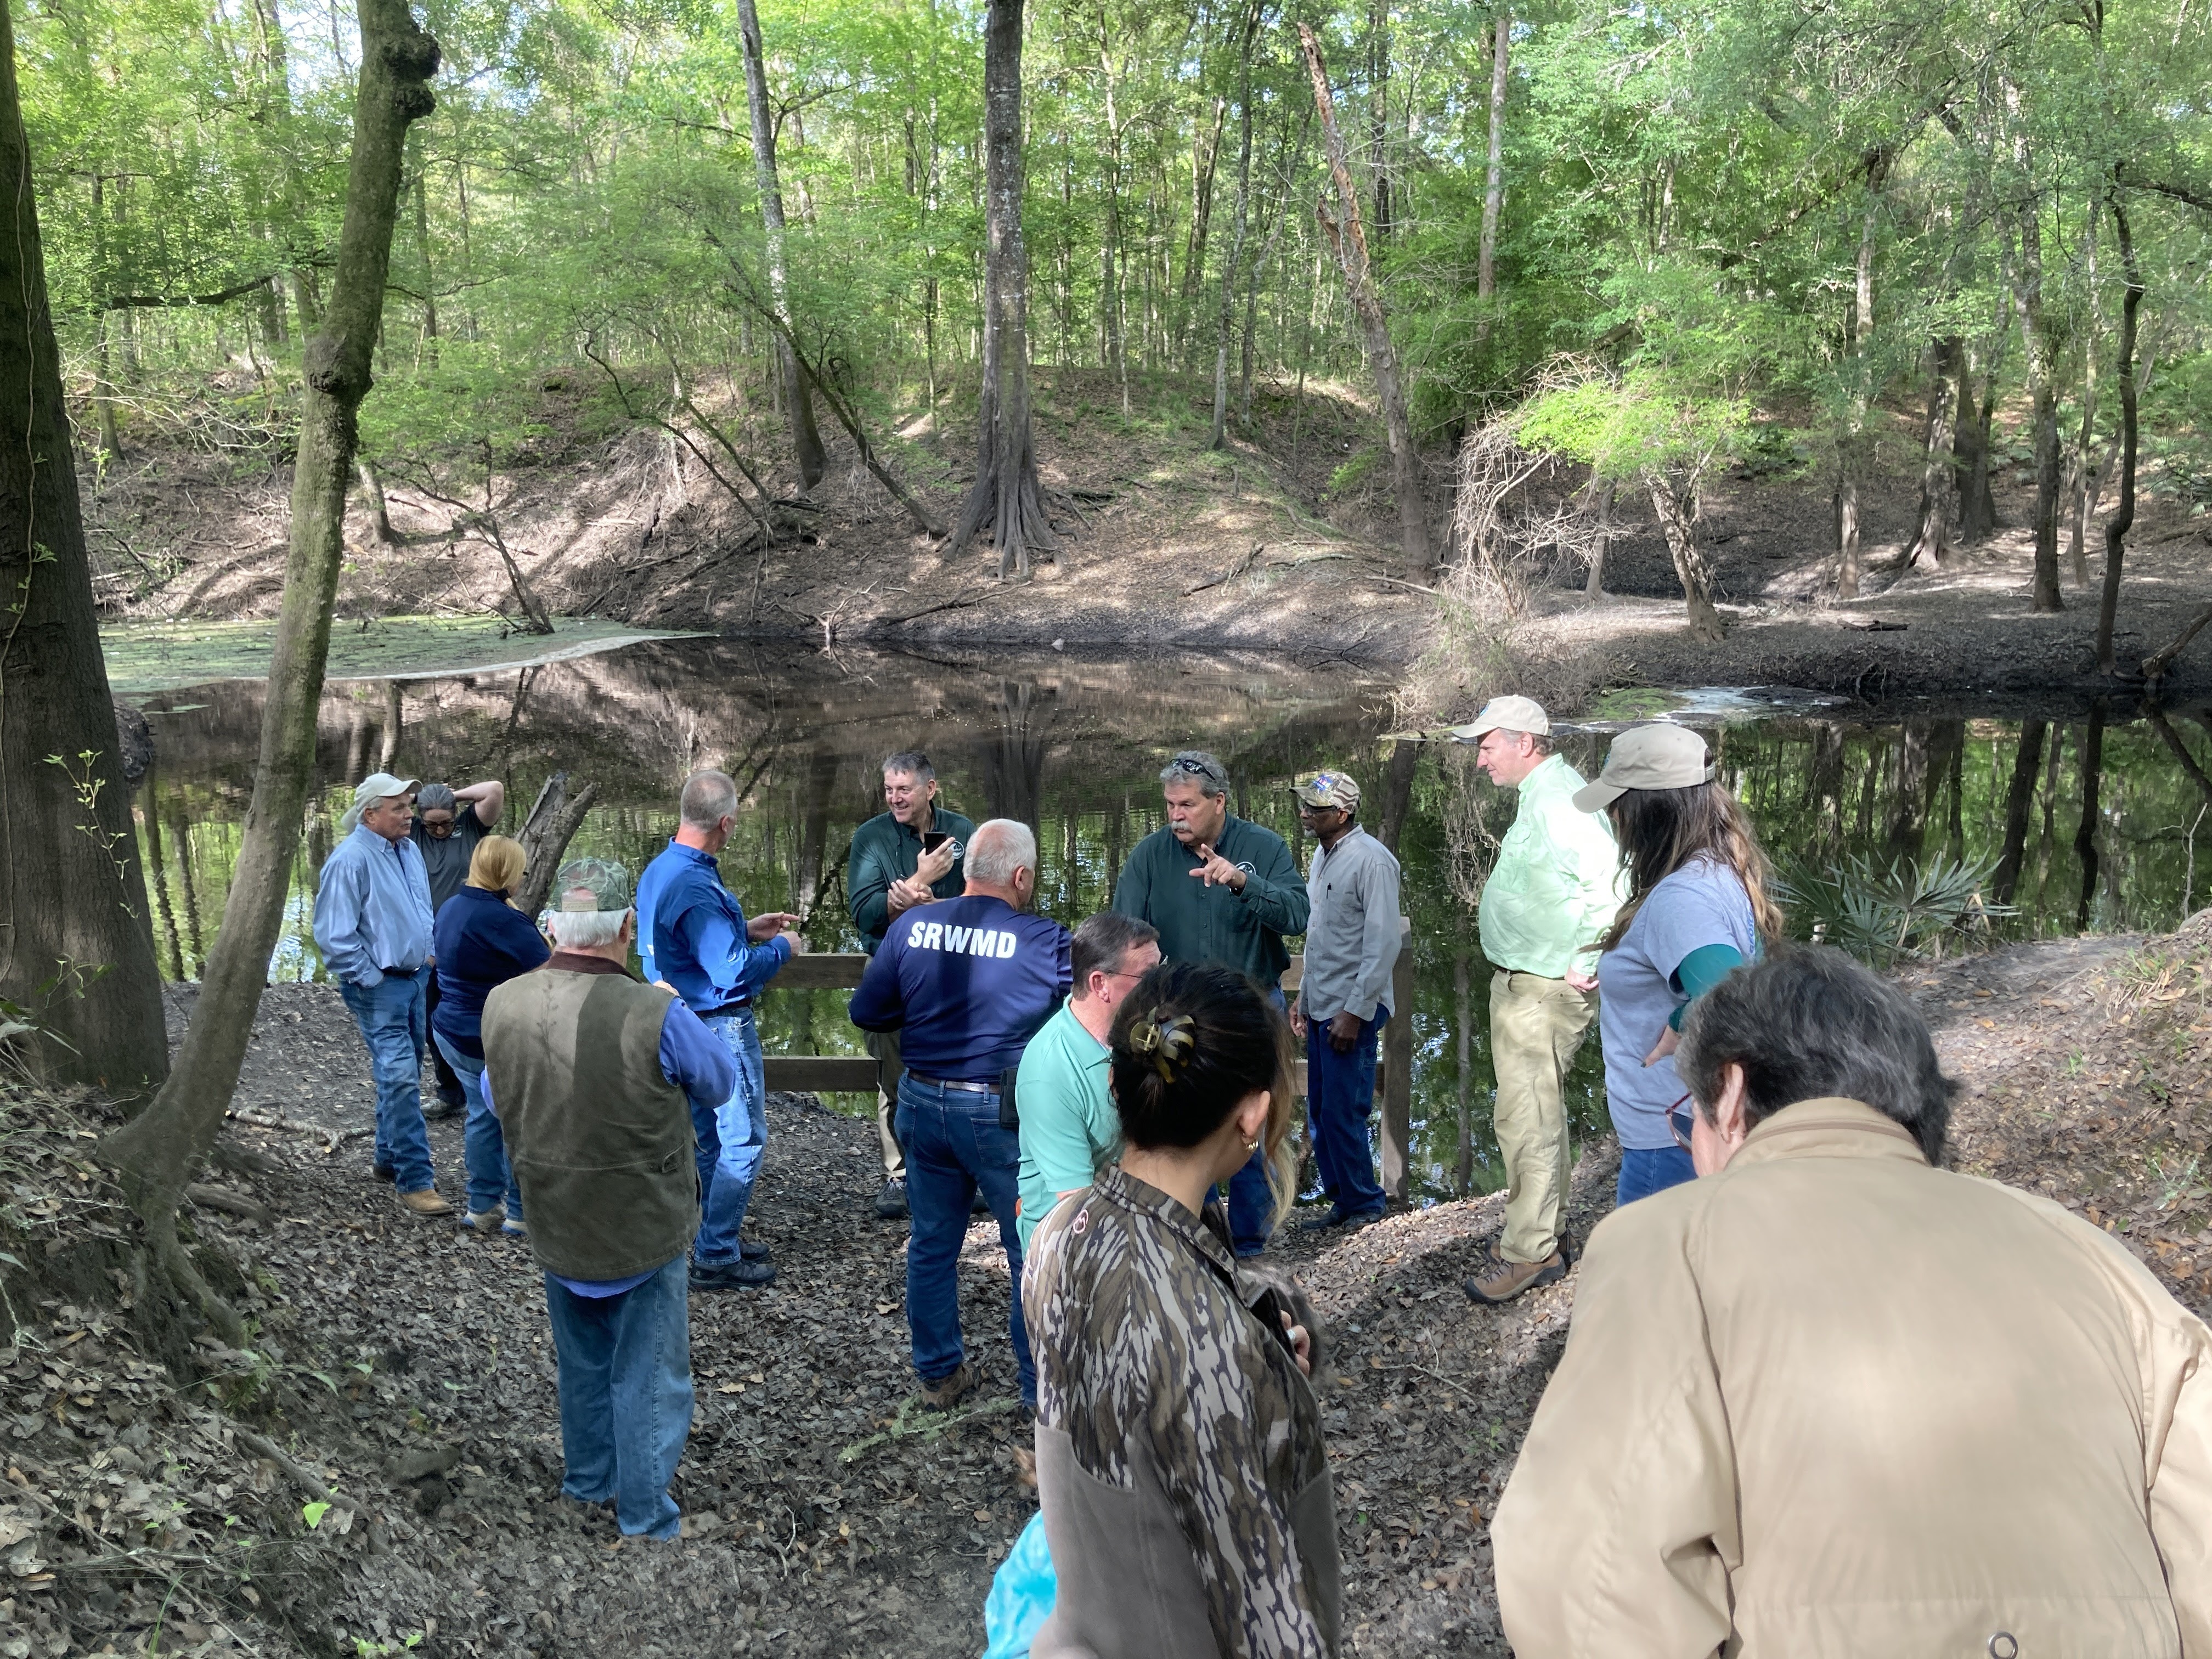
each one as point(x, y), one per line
point(426, 1203)
point(1503, 1280)
point(947, 1392)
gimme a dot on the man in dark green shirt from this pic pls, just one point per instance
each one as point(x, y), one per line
point(888, 871)
point(1221, 890)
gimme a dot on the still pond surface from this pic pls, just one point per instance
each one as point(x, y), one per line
point(2087, 824)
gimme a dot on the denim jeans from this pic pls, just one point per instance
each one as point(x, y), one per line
point(395, 1027)
point(731, 1140)
point(954, 1145)
point(483, 1141)
point(625, 1369)
point(1340, 1099)
point(1646, 1171)
point(1251, 1201)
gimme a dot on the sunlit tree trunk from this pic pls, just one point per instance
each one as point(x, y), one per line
point(2082, 477)
point(798, 406)
point(76, 948)
point(1493, 188)
point(1852, 451)
point(2042, 389)
point(1229, 270)
point(2123, 515)
point(1678, 519)
point(1931, 535)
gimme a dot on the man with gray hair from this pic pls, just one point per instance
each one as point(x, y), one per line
point(595, 1077)
point(966, 982)
point(693, 937)
point(1221, 891)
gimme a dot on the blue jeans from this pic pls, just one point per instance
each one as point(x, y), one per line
point(1646, 1171)
point(625, 1368)
point(954, 1146)
point(1340, 1099)
point(731, 1140)
point(1251, 1201)
point(490, 1179)
point(395, 1026)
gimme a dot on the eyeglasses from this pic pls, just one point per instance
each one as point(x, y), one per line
point(1674, 1128)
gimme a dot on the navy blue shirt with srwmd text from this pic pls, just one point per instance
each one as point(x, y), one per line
point(965, 983)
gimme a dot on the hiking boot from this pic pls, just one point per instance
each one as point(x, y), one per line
point(890, 1203)
point(485, 1221)
point(732, 1275)
point(947, 1391)
point(1565, 1248)
point(749, 1251)
point(426, 1203)
point(1503, 1280)
point(436, 1110)
point(1332, 1217)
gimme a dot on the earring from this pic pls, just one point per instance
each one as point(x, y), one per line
point(1253, 1145)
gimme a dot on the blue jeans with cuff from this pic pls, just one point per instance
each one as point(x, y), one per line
point(625, 1371)
point(1340, 1100)
point(396, 1026)
point(731, 1140)
point(954, 1147)
point(491, 1180)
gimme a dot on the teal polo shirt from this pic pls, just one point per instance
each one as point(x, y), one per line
point(1069, 1126)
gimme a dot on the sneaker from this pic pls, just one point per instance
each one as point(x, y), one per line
point(514, 1227)
point(947, 1391)
point(890, 1203)
point(732, 1275)
point(426, 1203)
point(485, 1221)
point(1503, 1280)
point(749, 1251)
point(1332, 1217)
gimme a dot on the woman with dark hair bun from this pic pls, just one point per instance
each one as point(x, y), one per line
point(1180, 1462)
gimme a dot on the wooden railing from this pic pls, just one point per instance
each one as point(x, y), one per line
point(856, 1073)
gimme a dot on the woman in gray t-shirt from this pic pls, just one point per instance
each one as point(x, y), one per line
point(1697, 907)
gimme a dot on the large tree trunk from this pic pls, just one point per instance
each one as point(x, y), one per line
point(798, 406)
point(1493, 187)
point(156, 1154)
point(2123, 516)
point(1006, 494)
point(1931, 534)
point(1348, 238)
point(76, 949)
point(1678, 517)
point(1220, 437)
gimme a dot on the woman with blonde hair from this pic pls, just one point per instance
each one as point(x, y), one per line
point(1180, 1462)
point(1697, 908)
point(481, 941)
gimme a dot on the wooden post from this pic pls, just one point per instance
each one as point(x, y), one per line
point(1398, 1069)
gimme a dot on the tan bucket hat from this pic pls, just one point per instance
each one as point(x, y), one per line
point(1660, 755)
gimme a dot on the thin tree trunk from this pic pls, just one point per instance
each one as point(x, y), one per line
point(1378, 113)
point(1348, 238)
point(2085, 835)
point(2043, 395)
point(1115, 350)
point(429, 277)
point(1204, 165)
point(1931, 535)
point(1851, 453)
point(2123, 516)
point(2018, 799)
point(1220, 438)
point(1678, 518)
point(1602, 543)
point(157, 1152)
point(76, 949)
point(1493, 188)
point(805, 436)
point(2083, 481)
point(380, 514)
point(1006, 494)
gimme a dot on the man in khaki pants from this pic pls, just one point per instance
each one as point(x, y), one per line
point(1555, 890)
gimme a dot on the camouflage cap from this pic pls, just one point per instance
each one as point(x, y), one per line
point(592, 885)
point(1327, 789)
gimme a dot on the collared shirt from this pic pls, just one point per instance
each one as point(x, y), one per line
point(446, 858)
point(483, 941)
point(1352, 936)
point(372, 908)
point(965, 983)
point(692, 932)
point(1232, 928)
point(1070, 1129)
point(1558, 883)
point(884, 851)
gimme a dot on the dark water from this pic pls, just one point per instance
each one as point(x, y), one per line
point(2095, 822)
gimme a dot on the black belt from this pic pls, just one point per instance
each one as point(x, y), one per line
point(729, 1008)
point(952, 1082)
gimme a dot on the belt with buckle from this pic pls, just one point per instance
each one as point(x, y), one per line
point(952, 1082)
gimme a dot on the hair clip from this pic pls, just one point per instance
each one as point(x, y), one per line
point(1169, 1042)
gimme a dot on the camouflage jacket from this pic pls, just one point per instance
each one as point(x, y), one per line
point(1181, 1467)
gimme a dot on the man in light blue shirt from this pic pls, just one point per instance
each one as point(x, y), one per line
point(372, 925)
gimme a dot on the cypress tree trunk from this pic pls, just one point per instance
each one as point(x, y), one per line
point(1678, 517)
point(805, 436)
point(2123, 516)
point(76, 949)
point(156, 1154)
point(1931, 536)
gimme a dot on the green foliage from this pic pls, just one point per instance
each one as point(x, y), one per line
point(1880, 912)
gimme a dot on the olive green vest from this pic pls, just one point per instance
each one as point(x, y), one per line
point(600, 1139)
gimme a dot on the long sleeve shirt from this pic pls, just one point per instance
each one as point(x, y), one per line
point(373, 909)
point(691, 933)
point(1352, 936)
point(1232, 927)
point(884, 851)
point(483, 941)
point(1558, 883)
point(966, 982)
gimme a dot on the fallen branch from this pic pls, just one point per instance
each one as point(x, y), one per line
point(2154, 667)
point(230, 1203)
point(302, 1476)
point(1247, 563)
point(1394, 581)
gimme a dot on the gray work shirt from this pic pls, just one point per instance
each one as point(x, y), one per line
point(1352, 937)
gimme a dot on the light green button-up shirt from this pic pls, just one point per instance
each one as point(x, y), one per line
point(1558, 883)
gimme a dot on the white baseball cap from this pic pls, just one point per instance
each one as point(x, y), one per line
point(1660, 755)
point(1506, 714)
point(376, 786)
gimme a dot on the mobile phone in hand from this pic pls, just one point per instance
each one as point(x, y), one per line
point(933, 839)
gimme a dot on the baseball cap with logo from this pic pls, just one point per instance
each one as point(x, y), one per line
point(592, 884)
point(376, 786)
point(1660, 755)
point(1506, 714)
point(1327, 789)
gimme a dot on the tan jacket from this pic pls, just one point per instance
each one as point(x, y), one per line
point(1832, 1401)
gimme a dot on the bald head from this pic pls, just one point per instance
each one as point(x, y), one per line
point(1002, 860)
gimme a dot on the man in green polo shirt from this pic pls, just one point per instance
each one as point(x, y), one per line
point(889, 871)
point(1224, 892)
point(1069, 1126)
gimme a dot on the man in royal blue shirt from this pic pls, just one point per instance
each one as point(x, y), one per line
point(966, 982)
point(693, 937)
